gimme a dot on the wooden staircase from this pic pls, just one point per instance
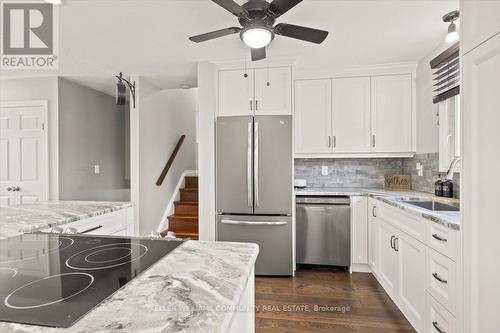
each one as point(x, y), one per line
point(184, 221)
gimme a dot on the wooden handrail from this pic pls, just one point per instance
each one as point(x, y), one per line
point(170, 161)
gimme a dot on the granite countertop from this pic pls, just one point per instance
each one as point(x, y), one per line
point(41, 215)
point(195, 288)
point(394, 198)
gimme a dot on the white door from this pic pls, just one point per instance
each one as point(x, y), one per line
point(387, 258)
point(391, 106)
point(351, 115)
point(275, 98)
point(412, 278)
point(236, 92)
point(481, 227)
point(23, 153)
point(313, 116)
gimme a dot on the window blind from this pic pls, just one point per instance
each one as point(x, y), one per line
point(446, 82)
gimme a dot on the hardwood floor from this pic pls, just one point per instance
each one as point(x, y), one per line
point(356, 303)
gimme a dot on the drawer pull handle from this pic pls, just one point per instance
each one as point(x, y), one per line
point(392, 242)
point(396, 244)
point(255, 223)
point(373, 211)
point(440, 279)
point(435, 324)
point(439, 238)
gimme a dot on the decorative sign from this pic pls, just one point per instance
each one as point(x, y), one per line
point(397, 182)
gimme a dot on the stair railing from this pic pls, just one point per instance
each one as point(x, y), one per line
point(170, 161)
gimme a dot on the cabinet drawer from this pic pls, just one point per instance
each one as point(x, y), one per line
point(439, 320)
point(441, 279)
point(442, 239)
point(410, 224)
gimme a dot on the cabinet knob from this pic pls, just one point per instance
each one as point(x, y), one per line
point(10, 189)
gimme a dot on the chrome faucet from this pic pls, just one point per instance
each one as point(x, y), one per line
point(451, 170)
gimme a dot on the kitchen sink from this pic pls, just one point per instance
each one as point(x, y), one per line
point(433, 205)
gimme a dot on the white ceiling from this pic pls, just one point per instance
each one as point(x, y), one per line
point(150, 37)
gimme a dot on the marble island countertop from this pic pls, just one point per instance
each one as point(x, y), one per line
point(41, 215)
point(449, 219)
point(196, 288)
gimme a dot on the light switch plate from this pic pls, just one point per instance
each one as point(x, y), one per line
point(324, 171)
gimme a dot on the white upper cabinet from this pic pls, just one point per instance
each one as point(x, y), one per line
point(391, 110)
point(235, 92)
point(313, 116)
point(251, 95)
point(275, 98)
point(351, 115)
point(480, 20)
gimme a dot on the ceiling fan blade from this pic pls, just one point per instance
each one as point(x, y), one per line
point(258, 54)
point(215, 34)
point(231, 6)
point(280, 7)
point(302, 33)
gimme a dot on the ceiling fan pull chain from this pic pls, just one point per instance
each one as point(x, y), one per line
point(246, 74)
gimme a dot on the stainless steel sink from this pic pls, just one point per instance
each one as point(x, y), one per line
point(433, 205)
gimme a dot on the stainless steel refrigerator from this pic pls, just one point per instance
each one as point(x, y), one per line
point(254, 188)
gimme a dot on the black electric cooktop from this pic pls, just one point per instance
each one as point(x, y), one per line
point(53, 280)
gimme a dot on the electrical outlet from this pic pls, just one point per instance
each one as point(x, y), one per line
point(420, 169)
point(324, 171)
point(97, 169)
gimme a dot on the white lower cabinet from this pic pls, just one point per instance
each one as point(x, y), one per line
point(421, 281)
point(411, 286)
point(359, 230)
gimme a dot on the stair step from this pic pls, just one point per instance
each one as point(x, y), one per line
point(189, 194)
point(186, 208)
point(183, 223)
point(182, 234)
point(191, 182)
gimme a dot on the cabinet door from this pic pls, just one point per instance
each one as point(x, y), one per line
point(313, 116)
point(359, 223)
point(391, 105)
point(236, 93)
point(479, 20)
point(481, 118)
point(372, 236)
point(275, 98)
point(387, 258)
point(351, 115)
point(412, 278)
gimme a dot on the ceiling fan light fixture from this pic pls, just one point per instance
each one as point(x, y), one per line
point(257, 38)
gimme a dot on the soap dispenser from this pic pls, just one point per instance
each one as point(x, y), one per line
point(448, 188)
point(438, 187)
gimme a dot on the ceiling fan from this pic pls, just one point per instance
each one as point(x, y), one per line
point(257, 18)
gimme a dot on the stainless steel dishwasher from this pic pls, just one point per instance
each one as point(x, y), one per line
point(323, 228)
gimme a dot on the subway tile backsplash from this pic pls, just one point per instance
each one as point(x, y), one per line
point(369, 172)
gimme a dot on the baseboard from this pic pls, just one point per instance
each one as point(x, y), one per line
point(360, 268)
point(163, 225)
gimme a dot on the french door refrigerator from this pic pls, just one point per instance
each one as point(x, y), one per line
point(254, 187)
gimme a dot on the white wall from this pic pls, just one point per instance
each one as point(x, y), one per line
point(163, 116)
point(206, 150)
point(427, 128)
point(39, 88)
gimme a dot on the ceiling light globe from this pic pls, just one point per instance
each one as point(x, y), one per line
point(257, 38)
point(452, 37)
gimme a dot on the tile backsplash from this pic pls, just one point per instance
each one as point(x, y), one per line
point(369, 172)
point(347, 172)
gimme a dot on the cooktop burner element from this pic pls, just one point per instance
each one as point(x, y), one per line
point(106, 256)
point(53, 280)
point(40, 292)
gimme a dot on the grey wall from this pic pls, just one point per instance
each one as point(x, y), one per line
point(91, 131)
point(362, 172)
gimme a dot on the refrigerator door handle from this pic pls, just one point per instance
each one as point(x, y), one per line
point(249, 166)
point(256, 163)
point(235, 222)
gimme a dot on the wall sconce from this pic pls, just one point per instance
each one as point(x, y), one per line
point(121, 90)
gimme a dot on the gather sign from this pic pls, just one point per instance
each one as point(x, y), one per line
point(397, 182)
